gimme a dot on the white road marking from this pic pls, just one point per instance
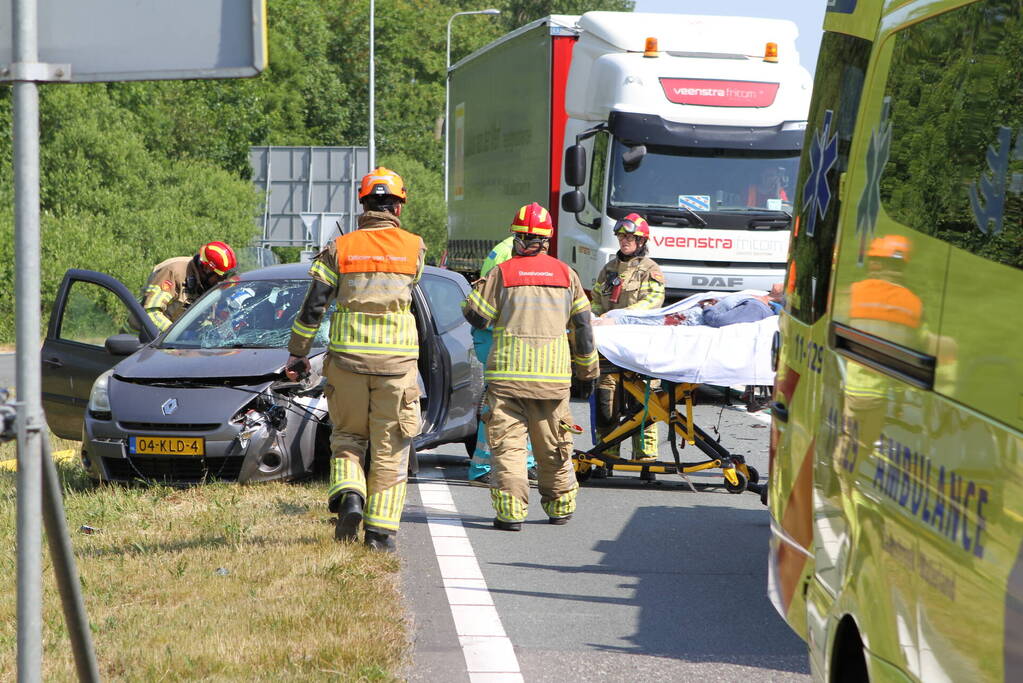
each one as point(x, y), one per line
point(489, 655)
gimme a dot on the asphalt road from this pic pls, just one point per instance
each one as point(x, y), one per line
point(648, 582)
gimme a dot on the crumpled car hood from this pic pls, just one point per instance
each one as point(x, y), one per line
point(201, 364)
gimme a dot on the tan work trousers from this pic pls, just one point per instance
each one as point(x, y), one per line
point(508, 422)
point(378, 412)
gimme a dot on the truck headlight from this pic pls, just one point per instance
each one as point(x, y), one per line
point(99, 397)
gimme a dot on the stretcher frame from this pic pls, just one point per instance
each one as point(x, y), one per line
point(654, 405)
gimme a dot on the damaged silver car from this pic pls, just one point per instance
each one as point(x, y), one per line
point(207, 399)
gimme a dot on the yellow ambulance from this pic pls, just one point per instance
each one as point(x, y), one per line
point(896, 483)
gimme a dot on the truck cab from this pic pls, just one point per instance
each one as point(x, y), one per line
point(696, 123)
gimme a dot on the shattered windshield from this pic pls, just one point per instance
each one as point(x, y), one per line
point(706, 179)
point(254, 314)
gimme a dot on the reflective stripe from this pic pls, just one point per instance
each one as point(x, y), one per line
point(586, 360)
point(374, 333)
point(303, 330)
point(579, 304)
point(654, 297)
point(161, 321)
point(482, 305)
point(346, 475)
point(508, 507)
point(563, 505)
point(383, 509)
point(513, 358)
point(326, 274)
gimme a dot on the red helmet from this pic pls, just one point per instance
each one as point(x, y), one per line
point(218, 257)
point(533, 219)
point(633, 224)
point(382, 181)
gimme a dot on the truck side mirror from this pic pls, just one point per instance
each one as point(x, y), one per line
point(633, 157)
point(575, 165)
point(573, 202)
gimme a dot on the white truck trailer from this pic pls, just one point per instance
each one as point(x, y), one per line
point(695, 122)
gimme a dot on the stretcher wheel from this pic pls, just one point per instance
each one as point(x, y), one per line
point(738, 488)
point(582, 472)
point(754, 475)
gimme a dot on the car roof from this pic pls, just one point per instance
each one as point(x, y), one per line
point(300, 271)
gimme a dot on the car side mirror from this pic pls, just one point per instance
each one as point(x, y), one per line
point(575, 165)
point(633, 157)
point(122, 344)
point(573, 202)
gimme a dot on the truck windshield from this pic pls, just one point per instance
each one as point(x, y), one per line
point(705, 180)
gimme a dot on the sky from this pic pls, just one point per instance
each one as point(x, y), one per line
point(808, 15)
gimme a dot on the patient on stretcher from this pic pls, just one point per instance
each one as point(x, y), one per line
point(741, 307)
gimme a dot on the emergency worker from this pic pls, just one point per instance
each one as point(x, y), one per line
point(633, 281)
point(530, 300)
point(482, 341)
point(371, 364)
point(175, 283)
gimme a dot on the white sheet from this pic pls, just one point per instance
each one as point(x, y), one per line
point(734, 354)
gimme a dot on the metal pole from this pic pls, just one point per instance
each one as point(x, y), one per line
point(372, 93)
point(26, 292)
point(447, 107)
point(66, 571)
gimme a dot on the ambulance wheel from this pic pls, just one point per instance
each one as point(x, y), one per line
point(754, 475)
point(738, 488)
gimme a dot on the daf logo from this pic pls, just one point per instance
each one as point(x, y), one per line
point(169, 406)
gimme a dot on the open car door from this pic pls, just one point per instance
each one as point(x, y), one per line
point(453, 376)
point(93, 325)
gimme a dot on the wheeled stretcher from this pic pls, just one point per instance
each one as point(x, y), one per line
point(682, 358)
point(671, 404)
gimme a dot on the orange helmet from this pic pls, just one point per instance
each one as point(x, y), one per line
point(382, 181)
point(218, 257)
point(533, 219)
point(890, 246)
point(633, 224)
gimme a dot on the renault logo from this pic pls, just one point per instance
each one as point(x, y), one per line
point(169, 406)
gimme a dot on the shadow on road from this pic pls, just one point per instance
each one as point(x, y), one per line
point(698, 576)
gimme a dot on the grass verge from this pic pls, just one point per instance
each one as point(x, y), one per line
point(219, 582)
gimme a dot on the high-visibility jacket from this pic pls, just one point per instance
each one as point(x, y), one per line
point(172, 287)
point(531, 301)
point(370, 273)
point(886, 309)
point(636, 283)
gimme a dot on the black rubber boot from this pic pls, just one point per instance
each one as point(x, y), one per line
point(349, 516)
point(380, 541)
point(507, 526)
point(559, 520)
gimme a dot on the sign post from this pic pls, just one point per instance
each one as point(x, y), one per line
point(142, 40)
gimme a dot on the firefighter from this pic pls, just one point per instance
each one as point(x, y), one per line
point(530, 300)
point(371, 364)
point(175, 283)
point(631, 280)
point(482, 340)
